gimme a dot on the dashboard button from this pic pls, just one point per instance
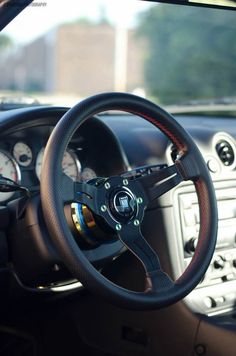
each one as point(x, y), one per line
point(213, 165)
point(220, 300)
point(228, 277)
point(209, 302)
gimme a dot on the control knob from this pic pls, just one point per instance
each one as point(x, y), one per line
point(191, 245)
point(219, 262)
point(209, 302)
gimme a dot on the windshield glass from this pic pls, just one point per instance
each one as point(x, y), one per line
point(60, 52)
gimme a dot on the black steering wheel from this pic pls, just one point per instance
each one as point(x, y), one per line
point(121, 201)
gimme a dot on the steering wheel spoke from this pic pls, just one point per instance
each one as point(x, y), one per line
point(157, 180)
point(79, 192)
point(133, 239)
point(188, 167)
point(157, 281)
point(161, 182)
point(144, 171)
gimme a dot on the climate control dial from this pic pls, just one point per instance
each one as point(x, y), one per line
point(191, 245)
point(219, 262)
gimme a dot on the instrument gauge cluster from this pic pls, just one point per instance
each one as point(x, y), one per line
point(20, 162)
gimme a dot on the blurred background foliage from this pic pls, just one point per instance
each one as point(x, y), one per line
point(191, 53)
point(5, 42)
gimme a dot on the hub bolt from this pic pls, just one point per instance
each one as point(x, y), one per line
point(125, 182)
point(103, 208)
point(118, 227)
point(136, 222)
point(140, 200)
point(107, 185)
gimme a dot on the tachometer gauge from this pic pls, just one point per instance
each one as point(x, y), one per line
point(8, 169)
point(22, 154)
point(70, 164)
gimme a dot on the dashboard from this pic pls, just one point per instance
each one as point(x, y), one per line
point(109, 145)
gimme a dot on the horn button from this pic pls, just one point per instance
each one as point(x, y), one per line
point(123, 204)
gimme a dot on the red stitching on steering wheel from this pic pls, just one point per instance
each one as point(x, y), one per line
point(171, 136)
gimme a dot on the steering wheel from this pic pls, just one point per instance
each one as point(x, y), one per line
point(120, 202)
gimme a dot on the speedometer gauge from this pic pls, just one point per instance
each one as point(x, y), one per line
point(8, 169)
point(70, 164)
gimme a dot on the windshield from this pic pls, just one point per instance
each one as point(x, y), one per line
point(61, 52)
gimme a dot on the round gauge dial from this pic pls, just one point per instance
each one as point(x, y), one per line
point(22, 154)
point(87, 174)
point(70, 164)
point(8, 169)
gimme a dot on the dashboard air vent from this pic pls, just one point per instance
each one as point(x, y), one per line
point(225, 152)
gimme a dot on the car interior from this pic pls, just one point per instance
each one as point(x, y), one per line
point(117, 178)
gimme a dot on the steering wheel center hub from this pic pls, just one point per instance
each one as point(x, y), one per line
point(123, 204)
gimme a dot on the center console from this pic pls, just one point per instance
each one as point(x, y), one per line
point(216, 293)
